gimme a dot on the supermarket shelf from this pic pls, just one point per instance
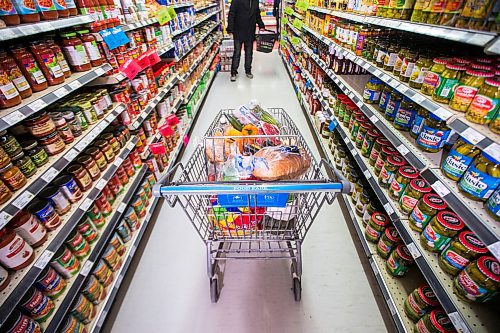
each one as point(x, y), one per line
point(297, 15)
point(145, 113)
point(54, 167)
point(199, 40)
point(206, 17)
point(200, 58)
point(29, 29)
point(180, 32)
point(297, 32)
point(65, 301)
point(107, 80)
point(205, 7)
point(465, 317)
point(471, 37)
point(25, 278)
point(137, 25)
point(39, 100)
point(472, 212)
point(480, 135)
point(182, 5)
point(165, 49)
point(195, 85)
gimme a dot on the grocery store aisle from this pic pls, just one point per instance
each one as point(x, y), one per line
point(169, 290)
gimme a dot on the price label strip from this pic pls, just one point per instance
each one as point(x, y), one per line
point(13, 118)
point(86, 268)
point(86, 204)
point(75, 85)
point(37, 105)
point(49, 175)
point(415, 253)
point(23, 199)
point(44, 259)
point(440, 188)
point(4, 219)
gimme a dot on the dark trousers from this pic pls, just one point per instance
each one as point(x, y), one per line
point(237, 55)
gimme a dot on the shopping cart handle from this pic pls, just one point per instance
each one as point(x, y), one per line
point(346, 185)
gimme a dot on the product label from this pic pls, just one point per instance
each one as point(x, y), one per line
point(432, 138)
point(34, 71)
point(21, 83)
point(431, 79)
point(70, 4)
point(395, 267)
point(433, 239)
point(464, 94)
point(384, 98)
point(383, 247)
point(8, 91)
point(374, 234)
point(16, 253)
point(477, 183)
point(415, 307)
point(404, 117)
point(483, 107)
point(445, 87)
point(385, 176)
point(31, 231)
point(39, 305)
point(51, 63)
point(366, 146)
point(62, 62)
point(419, 218)
point(45, 5)
point(60, 4)
point(77, 56)
point(371, 95)
point(397, 188)
point(418, 74)
point(407, 68)
point(392, 107)
point(417, 124)
point(380, 56)
point(6, 8)
point(25, 325)
point(473, 290)
point(454, 259)
point(493, 204)
point(391, 60)
point(92, 50)
point(398, 64)
point(456, 164)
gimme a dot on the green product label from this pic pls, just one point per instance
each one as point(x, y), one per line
point(445, 87)
point(284, 20)
point(163, 16)
point(302, 5)
point(298, 23)
point(288, 11)
point(295, 40)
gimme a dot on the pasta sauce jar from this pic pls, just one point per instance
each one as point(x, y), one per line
point(30, 69)
point(47, 61)
point(9, 96)
point(91, 47)
point(15, 252)
point(29, 228)
point(75, 52)
point(14, 74)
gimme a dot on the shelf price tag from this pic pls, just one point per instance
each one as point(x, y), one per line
point(37, 105)
point(118, 281)
point(391, 306)
point(132, 251)
point(118, 161)
point(402, 88)
point(70, 155)
point(100, 184)
point(13, 118)
point(122, 207)
point(495, 249)
point(23, 199)
point(75, 85)
point(4, 219)
point(101, 319)
point(440, 188)
point(49, 175)
point(415, 253)
point(402, 149)
point(472, 135)
point(457, 321)
point(493, 150)
point(61, 92)
point(86, 204)
point(367, 174)
point(99, 71)
point(86, 268)
point(373, 118)
point(44, 259)
point(418, 98)
point(388, 208)
point(374, 267)
point(359, 104)
point(366, 65)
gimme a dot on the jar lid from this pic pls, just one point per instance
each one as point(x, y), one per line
point(389, 150)
point(380, 219)
point(366, 125)
point(396, 160)
point(49, 192)
point(17, 156)
point(461, 60)
point(490, 267)
point(484, 60)
point(420, 185)
point(29, 144)
point(403, 252)
point(373, 132)
point(20, 218)
point(481, 66)
point(408, 172)
point(68, 34)
point(7, 167)
point(441, 321)
point(479, 73)
point(442, 61)
point(455, 67)
point(434, 201)
point(470, 241)
point(493, 82)
point(83, 31)
point(382, 140)
point(392, 234)
point(450, 220)
point(427, 295)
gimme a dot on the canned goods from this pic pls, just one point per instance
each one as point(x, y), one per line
point(78, 245)
point(88, 230)
point(103, 205)
point(128, 167)
point(118, 244)
point(65, 262)
point(135, 159)
point(151, 179)
point(112, 258)
point(139, 207)
point(37, 305)
point(94, 290)
point(46, 213)
point(83, 310)
point(132, 219)
point(73, 326)
point(147, 189)
point(124, 232)
point(103, 273)
point(57, 199)
point(69, 188)
point(144, 197)
point(96, 217)
point(110, 196)
point(51, 283)
point(20, 323)
point(122, 175)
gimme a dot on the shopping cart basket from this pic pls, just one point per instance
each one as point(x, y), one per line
point(265, 41)
point(250, 219)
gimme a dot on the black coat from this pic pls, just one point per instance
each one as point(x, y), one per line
point(242, 18)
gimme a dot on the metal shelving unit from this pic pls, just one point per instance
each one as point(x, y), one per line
point(206, 7)
point(200, 58)
point(200, 39)
point(195, 85)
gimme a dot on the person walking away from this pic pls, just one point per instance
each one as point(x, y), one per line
point(276, 14)
point(242, 18)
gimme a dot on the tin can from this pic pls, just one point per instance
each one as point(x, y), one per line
point(46, 213)
point(103, 273)
point(110, 196)
point(132, 219)
point(37, 305)
point(94, 290)
point(128, 167)
point(51, 283)
point(135, 159)
point(144, 197)
point(122, 175)
point(147, 188)
point(139, 207)
point(18, 322)
point(103, 205)
point(65, 262)
point(72, 325)
point(151, 179)
point(124, 232)
point(57, 199)
point(118, 244)
point(83, 310)
point(112, 258)
point(96, 216)
point(88, 230)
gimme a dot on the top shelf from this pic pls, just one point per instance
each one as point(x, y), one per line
point(471, 37)
point(29, 29)
point(206, 7)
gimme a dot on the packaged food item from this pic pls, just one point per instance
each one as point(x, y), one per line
point(103, 205)
point(52, 143)
point(361, 203)
point(390, 238)
point(405, 115)
point(90, 166)
point(393, 105)
point(428, 206)
point(57, 199)
point(433, 135)
point(29, 228)
point(398, 184)
point(459, 158)
point(369, 141)
point(434, 321)
point(98, 157)
point(9, 95)
point(280, 163)
point(118, 244)
point(25, 164)
point(61, 60)
point(460, 252)
point(124, 231)
point(399, 261)
point(73, 325)
point(47, 60)
point(393, 163)
point(419, 302)
point(45, 213)
point(39, 306)
point(84, 310)
point(364, 127)
point(103, 273)
point(69, 188)
point(78, 245)
point(94, 291)
point(81, 176)
point(139, 207)
point(370, 209)
point(96, 216)
point(440, 230)
point(377, 148)
point(112, 258)
point(132, 219)
point(467, 88)
point(18, 322)
point(75, 52)
point(65, 263)
point(484, 105)
point(448, 81)
point(91, 47)
point(479, 282)
point(12, 177)
point(376, 226)
point(8, 14)
point(420, 69)
point(385, 152)
point(433, 75)
point(50, 283)
point(40, 124)
point(372, 91)
point(384, 98)
point(15, 252)
point(493, 205)
point(88, 230)
point(14, 74)
point(481, 178)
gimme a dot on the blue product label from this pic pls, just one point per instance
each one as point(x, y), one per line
point(404, 117)
point(70, 4)
point(384, 98)
point(493, 204)
point(478, 183)
point(392, 108)
point(371, 95)
point(44, 214)
point(456, 164)
point(432, 138)
point(60, 4)
point(24, 7)
point(416, 125)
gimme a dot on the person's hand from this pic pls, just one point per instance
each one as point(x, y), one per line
point(262, 29)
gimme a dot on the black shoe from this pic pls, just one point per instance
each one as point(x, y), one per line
point(233, 78)
point(250, 75)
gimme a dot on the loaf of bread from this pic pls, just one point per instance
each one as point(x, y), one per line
point(217, 149)
point(280, 163)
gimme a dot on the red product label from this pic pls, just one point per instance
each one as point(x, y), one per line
point(431, 79)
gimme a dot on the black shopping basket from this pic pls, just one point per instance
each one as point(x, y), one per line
point(265, 41)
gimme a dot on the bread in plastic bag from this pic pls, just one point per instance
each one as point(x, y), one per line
point(280, 163)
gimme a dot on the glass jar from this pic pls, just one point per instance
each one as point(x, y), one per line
point(398, 184)
point(376, 226)
point(392, 164)
point(493, 205)
point(73, 123)
point(440, 230)
point(30, 69)
point(40, 124)
point(427, 207)
point(459, 158)
point(481, 178)
point(47, 61)
point(418, 121)
point(419, 302)
point(412, 194)
point(354, 123)
point(63, 129)
point(433, 135)
point(419, 72)
point(9, 96)
point(46, 213)
point(381, 53)
point(81, 176)
point(399, 261)
point(433, 75)
point(12, 177)
point(55, 196)
point(377, 147)
point(106, 149)
point(91, 47)
point(9, 143)
point(15, 75)
point(393, 105)
point(390, 238)
point(368, 142)
point(435, 321)
point(363, 130)
point(448, 81)
point(382, 157)
point(346, 113)
point(75, 52)
point(399, 60)
point(4, 158)
point(98, 157)
point(5, 193)
point(69, 187)
point(61, 60)
point(479, 282)
point(37, 154)
point(405, 114)
point(90, 165)
point(339, 158)
point(392, 56)
point(408, 65)
point(467, 88)
point(372, 91)
point(362, 202)
point(25, 164)
point(385, 96)
point(460, 252)
point(484, 106)
point(52, 143)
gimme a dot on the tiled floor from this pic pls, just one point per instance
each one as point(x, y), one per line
point(169, 290)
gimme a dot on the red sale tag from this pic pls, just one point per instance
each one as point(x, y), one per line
point(172, 120)
point(143, 61)
point(158, 148)
point(166, 130)
point(186, 140)
point(153, 56)
point(130, 68)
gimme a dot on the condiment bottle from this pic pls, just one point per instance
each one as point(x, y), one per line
point(47, 9)
point(15, 76)
point(9, 95)
point(30, 69)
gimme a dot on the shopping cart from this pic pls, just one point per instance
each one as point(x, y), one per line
point(250, 219)
point(265, 41)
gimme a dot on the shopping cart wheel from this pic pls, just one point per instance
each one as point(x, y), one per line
point(214, 291)
point(297, 289)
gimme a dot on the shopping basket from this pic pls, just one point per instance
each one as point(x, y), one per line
point(250, 219)
point(265, 41)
